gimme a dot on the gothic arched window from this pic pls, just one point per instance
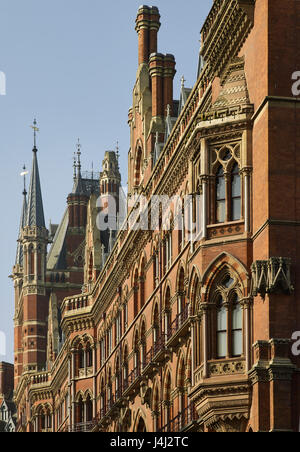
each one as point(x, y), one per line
point(236, 327)
point(220, 196)
point(235, 193)
point(221, 329)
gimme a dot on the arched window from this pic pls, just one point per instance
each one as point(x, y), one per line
point(167, 400)
point(235, 193)
point(220, 196)
point(143, 345)
point(138, 167)
point(142, 284)
point(102, 399)
point(136, 293)
point(89, 409)
point(110, 393)
point(118, 379)
point(136, 352)
point(80, 411)
point(236, 327)
point(155, 269)
point(168, 313)
point(156, 329)
point(221, 329)
point(181, 292)
point(155, 409)
point(141, 428)
point(229, 319)
point(80, 357)
point(125, 368)
point(89, 356)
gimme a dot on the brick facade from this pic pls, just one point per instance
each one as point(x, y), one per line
point(173, 331)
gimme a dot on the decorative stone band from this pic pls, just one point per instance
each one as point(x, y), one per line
point(272, 275)
point(224, 31)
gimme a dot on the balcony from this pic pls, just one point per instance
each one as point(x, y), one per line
point(84, 427)
point(133, 381)
point(184, 421)
point(179, 327)
point(159, 349)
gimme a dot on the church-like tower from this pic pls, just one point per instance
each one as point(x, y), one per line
point(29, 275)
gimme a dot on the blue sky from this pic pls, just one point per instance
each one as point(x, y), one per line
point(72, 64)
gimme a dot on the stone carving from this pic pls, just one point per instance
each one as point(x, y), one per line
point(271, 276)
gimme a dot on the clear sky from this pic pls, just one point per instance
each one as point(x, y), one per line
point(72, 64)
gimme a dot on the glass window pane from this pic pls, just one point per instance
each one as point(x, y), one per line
point(237, 317)
point(220, 211)
point(221, 188)
point(237, 343)
point(221, 345)
point(236, 186)
point(222, 320)
point(236, 209)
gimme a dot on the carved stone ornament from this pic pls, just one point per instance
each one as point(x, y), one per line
point(271, 276)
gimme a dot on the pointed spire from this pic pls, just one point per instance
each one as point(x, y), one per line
point(35, 211)
point(182, 81)
point(19, 257)
point(79, 188)
point(118, 154)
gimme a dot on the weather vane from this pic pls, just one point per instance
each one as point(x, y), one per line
point(35, 130)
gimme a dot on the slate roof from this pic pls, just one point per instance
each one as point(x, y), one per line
point(35, 211)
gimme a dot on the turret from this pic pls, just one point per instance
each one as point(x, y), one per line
point(34, 241)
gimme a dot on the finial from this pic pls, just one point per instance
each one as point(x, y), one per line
point(24, 174)
point(78, 156)
point(35, 130)
point(182, 81)
point(92, 170)
point(168, 110)
point(74, 166)
point(118, 153)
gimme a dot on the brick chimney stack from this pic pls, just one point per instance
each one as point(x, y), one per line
point(156, 66)
point(169, 73)
point(147, 26)
point(162, 72)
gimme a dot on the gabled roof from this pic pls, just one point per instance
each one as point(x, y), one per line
point(184, 94)
point(55, 258)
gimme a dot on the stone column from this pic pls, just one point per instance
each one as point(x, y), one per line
point(94, 381)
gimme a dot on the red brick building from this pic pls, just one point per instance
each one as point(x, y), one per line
point(169, 329)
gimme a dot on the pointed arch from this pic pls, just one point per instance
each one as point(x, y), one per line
point(222, 262)
point(140, 422)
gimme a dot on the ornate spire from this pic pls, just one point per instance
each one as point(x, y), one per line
point(19, 257)
point(79, 188)
point(35, 211)
point(118, 154)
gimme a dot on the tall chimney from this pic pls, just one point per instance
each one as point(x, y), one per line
point(156, 67)
point(153, 30)
point(142, 28)
point(169, 73)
